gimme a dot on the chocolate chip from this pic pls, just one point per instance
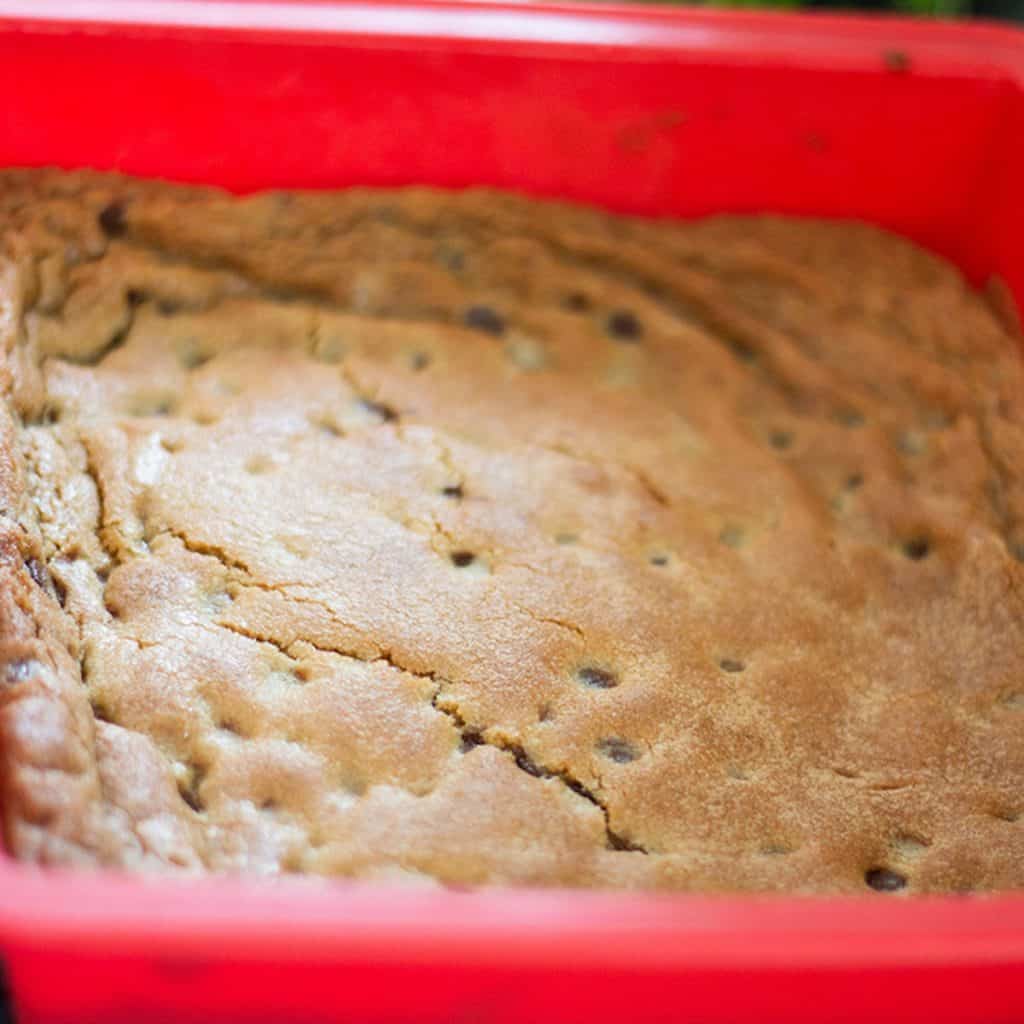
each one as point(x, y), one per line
point(618, 750)
point(462, 559)
point(916, 548)
point(597, 678)
point(111, 219)
point(135, 296)
point(385, 412)
point(577, 302)
point(731, 536)
point(854, 481)
point(912, 442)
point(850, 418)
point(741, 350)
point(780, 439)
point(163, 406)
point(731, 665)
point(452, 258)
point(884, 880)
point(483, 318)
point(39, 573)
point(659, 560)
point(453, 491)
point(624, 326)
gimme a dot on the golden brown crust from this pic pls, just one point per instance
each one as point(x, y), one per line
point(463, 537)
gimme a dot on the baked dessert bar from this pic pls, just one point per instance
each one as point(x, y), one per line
point(469, 538)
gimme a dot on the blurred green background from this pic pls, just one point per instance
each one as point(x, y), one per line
point(1013, 9)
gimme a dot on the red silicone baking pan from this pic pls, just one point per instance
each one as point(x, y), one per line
point(916, 126)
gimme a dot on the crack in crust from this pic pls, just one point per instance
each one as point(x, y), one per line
point(474, 737)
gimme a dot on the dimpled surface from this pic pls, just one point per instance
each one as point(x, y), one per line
point(465, 538)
